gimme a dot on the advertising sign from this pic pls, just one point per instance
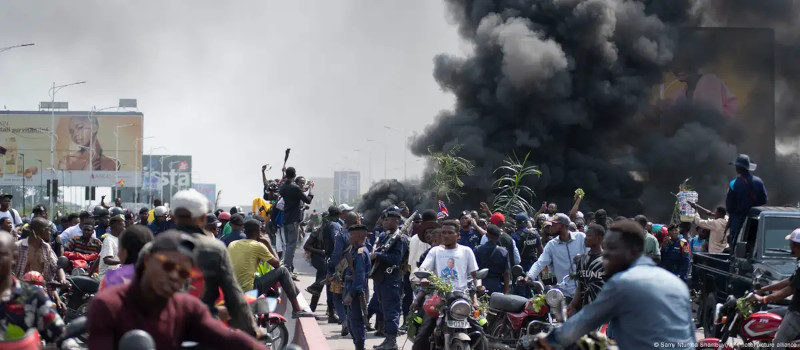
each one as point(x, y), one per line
point(85, 152)
point(209, 190)
point(346, 186)
point(167, 174)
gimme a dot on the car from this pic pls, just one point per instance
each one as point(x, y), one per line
point(760, 256)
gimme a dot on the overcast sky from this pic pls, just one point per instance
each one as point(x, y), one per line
point(236, 83)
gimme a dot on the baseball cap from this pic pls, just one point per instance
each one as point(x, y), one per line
point(237, 219)
point(561, 218)
point(498, 219)
point(794, 236)
point(345, 207)
point(334, 211)
point(160, 211)
point(224, 215)
point(521, 217)
point(211, 219)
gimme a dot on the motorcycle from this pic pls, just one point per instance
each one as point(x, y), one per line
point(80, 292)
point(32, 340)
point(457, 325)
point(758, 327)
point(514, 320)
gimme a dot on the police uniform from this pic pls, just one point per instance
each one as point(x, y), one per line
point(356, 286)
point(388, 281)
point(676, 257)
point(528, 242)
point(495, 258)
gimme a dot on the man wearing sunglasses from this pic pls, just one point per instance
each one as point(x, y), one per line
point(152, 302)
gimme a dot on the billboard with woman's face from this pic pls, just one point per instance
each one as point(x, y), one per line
point(85, 152)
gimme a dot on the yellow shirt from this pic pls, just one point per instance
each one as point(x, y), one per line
point(246, 255)
point(261, 207)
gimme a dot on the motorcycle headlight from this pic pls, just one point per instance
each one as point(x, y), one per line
point(459, 310)
point(554, 297)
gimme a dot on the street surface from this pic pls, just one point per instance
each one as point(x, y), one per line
point(306, 274)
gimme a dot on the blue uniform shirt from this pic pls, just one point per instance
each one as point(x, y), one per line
point(340, 244)
point(356, 282)
point(676, 257)
point(469, 238)
point(393, 256)
point(495, 258)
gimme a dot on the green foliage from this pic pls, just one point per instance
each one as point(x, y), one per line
point(448, 169)
point(579, 194)
point(440, 284)
point(745, 307)
point(512, 196)
point(539, 301)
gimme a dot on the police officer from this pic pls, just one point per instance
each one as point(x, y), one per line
point(491, 255)
point(676, 256)
point(470, 233)
point(355, 289)
point(528, 242)
point(390, 249)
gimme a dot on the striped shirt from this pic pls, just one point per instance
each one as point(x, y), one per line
point(77, 244)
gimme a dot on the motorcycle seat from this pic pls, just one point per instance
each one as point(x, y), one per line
point(507, 303)
point(85, 284)
point(780, 311)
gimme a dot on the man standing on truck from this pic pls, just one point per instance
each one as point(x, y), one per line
point(744, 192)
point(790, 326)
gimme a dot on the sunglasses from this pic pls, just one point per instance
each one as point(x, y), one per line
point(170, 266)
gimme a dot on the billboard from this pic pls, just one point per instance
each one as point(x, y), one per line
point(346, 186)
point(209, 190)
point(163, 175)
point(85, 152)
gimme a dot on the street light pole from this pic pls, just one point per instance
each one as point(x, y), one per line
point(4, 49)
point(150, 173)
point(53, 92)
point(23, 182)
point(138, 171)
point(41, 180)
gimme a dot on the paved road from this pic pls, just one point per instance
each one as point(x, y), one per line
point(336, 342)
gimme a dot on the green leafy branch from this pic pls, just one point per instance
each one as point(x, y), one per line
point(512, 195)
point(448, 169)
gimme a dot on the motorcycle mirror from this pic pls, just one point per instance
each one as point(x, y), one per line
point(517, 271)
point(136, 339)
point(422, 274)
point(481, 274)
point(76, 327)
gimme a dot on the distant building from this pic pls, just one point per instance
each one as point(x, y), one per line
point(346, 186)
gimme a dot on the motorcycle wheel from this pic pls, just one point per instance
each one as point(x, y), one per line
point(501, 330)
point(459, 344)
point(709, 329)
point(279, 335)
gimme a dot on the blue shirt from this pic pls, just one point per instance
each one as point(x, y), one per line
point(495, 258)
point(744, 192)
point(356, 282)
point(340, 244)
point(469, 238)
point(560, 256)
point(330, 232)
point(393, 256)
point(676, 257)
point(233, 237)
point(484, 239)
point(644, 304)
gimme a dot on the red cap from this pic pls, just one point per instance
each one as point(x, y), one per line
point(498, 219)
point(224, 216)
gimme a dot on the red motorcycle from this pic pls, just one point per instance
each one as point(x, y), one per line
point(758, 327)
point(513, 319)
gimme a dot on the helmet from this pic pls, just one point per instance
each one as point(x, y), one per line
point(34, 278)
point(99, 211)
point(160, 211)
point(116, 211)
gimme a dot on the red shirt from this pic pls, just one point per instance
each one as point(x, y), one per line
point(118, 309)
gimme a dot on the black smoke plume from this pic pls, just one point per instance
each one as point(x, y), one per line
point(572, 83)
point(385, 193)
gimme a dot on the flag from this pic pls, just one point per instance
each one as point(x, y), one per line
point(121, 183)
point(442, 211)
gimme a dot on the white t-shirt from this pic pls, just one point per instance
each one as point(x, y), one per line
point(457, 264)
point(16, 220)
point(69, 233)
point(110, 248)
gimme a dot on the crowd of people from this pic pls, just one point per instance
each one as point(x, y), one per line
point(607, 268)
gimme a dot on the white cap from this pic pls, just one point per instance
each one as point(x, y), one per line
point(345, 207)
point(195, 202)
point(794, 236)
point(160, 211)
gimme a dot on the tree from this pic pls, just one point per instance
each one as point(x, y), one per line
point(512, 196)
point(445, 181)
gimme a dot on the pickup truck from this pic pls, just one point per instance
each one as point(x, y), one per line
point(760, 256)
